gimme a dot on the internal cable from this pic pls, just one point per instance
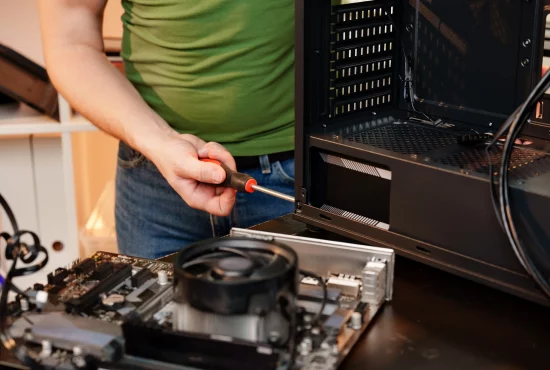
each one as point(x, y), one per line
point(408, 81)
point(319, 315)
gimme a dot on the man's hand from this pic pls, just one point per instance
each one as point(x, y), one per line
point(178, 159)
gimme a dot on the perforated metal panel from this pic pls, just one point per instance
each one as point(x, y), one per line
point(412, 139)
point(404, 138)
point(362, 45)
point(524, 164)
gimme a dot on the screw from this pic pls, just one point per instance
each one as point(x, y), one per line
point(409, 27)
point(527, 42)
point(525, 62)
point(490, 124)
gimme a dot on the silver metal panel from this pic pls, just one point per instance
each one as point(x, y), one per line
point(325, 257)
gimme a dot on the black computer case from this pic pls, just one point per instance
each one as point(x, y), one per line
point(379, 167)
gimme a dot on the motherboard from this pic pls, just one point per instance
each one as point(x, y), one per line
point(111, 286)
point(111, 310)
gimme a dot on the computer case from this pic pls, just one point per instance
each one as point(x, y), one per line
point(376, 166)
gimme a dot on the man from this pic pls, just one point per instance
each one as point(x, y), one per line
point(204, 79)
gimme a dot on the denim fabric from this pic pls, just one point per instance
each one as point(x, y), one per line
point(152, 220)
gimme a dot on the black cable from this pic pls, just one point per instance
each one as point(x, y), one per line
point(10, 214)
point(409, 89)
point(317, 318)
point(503, 184)
point(16, 251)
point(500, 196)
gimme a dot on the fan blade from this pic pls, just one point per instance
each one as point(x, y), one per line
point(273, 268)
point(243, 254)
point(209, 262)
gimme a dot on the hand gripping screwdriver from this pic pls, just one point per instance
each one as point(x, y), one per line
point(245, 183)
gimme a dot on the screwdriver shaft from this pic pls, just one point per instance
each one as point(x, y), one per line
point(273, 193)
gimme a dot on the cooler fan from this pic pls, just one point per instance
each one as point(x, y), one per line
point(242, 288)
point(230, 264)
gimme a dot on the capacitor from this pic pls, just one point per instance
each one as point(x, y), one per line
point(41, 298)
point(356, 320)
point(24, 304)
point(162, 277)
point(46, 348)
point(306, 346)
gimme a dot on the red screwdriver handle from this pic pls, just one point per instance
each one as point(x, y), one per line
point(235, 180)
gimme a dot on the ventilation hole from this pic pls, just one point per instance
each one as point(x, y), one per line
point(423, 250)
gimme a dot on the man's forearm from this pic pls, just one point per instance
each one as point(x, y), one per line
point(103, 95)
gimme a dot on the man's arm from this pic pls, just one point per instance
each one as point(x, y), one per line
point(76, 63)
point(73, 49)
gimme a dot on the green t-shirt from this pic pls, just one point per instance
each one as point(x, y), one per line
point(219, 69)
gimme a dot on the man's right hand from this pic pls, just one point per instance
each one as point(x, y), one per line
point(178, 159)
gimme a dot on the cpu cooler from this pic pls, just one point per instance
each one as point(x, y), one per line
point(238, 288)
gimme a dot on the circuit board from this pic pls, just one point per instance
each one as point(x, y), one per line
point(103, 293)
point(110, 286)
point(344, 320)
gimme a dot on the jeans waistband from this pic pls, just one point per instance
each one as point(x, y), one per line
point(244, 163)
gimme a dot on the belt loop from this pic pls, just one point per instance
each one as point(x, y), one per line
point(265, 165)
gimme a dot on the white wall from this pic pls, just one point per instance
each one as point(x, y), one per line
point(20, 28)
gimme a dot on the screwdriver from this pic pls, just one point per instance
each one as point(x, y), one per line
point(245, 183)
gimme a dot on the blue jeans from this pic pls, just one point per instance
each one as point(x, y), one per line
point(152, 220)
